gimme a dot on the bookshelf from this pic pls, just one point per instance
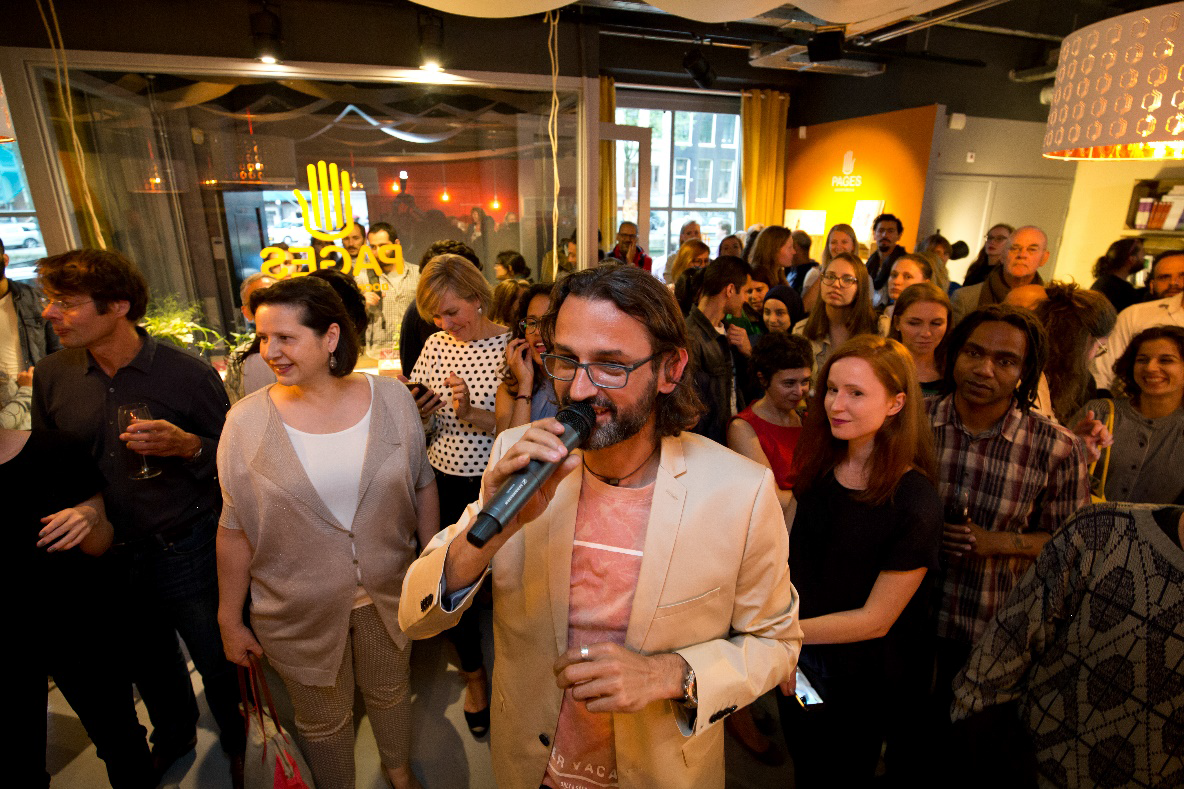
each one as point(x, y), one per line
point(1156, 208)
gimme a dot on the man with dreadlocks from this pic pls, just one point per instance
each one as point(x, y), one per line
point(1009, 477)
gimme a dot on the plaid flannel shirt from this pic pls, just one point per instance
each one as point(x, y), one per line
point(1024, 474)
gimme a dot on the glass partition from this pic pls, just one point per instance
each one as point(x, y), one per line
point(193, 176)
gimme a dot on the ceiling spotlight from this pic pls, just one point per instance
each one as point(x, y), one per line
point(825, 45)
point(431, 42)
point(695, 63)
point(266, 34)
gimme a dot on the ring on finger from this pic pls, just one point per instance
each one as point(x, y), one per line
point(583, 653)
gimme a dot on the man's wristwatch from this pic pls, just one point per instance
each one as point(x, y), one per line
point(200, 448)
point(690, 692)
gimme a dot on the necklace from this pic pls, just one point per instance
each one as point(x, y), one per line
point(616, 481)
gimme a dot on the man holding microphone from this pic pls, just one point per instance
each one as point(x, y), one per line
point(639, 600)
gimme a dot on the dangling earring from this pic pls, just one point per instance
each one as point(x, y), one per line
point(479, 310)
point(332, 362)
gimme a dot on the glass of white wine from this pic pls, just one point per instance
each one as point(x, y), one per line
point(128, 415)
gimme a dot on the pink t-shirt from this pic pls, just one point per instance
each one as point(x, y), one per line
point(605, 562)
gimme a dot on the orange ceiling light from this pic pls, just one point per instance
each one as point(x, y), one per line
point(1119, 92)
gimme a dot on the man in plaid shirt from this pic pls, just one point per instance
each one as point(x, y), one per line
point(1016, 475)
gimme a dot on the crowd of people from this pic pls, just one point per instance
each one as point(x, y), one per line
point(851, 474)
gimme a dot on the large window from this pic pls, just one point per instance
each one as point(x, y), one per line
point(19, 230)
point(695, 163)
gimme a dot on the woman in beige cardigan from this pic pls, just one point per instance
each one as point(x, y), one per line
point(326, 485)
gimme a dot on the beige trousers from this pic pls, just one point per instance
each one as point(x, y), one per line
point(324, 715)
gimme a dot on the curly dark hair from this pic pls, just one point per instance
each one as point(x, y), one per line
point(104, 275)
point(351, 296)
point(1124, 365)
point(321, 307)
point(639, 295)
point(1035, 353)
point(779, 351)
point(448, 247)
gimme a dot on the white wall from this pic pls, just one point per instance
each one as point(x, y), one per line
point(1097, 212)
point(1008, 181)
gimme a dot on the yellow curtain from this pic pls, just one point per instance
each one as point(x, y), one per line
point(608, 172)
point(763, 115)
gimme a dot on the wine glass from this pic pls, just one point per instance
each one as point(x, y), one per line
point(129, 414)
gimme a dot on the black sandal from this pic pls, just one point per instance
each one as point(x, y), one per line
point(478, 722)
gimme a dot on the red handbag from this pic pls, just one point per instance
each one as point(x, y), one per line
point(273, 761)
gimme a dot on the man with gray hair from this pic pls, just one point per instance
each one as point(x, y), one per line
point(1027, 253)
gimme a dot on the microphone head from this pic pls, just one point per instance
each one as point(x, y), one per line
point(579, 417)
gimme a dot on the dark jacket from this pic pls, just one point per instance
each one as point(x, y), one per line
point(713, 357)
point(37, 336)
point(1121, 293)
point(879, 269)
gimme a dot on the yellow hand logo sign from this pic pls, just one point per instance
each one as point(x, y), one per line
point(331, 207)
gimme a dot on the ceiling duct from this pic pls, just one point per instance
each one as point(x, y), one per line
point(796, 57)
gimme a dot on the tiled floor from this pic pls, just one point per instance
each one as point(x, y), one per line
point(444, 755)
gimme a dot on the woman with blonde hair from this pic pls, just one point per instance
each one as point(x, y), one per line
point(692, 254)
point(462, 365)
point(840, 239)
point(865, 536)
point(845, 309)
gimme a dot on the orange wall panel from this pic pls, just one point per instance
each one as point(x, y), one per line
point(889, 159)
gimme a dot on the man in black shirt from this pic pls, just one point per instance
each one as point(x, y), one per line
point(886, 231)
point(164, 525)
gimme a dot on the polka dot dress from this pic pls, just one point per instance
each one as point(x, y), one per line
point(460, 448)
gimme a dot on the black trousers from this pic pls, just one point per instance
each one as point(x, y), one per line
point(173, 589)
point(456, 493)
point(82, 645)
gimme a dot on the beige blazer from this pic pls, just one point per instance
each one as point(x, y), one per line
point(713, 586)
point(303, 563)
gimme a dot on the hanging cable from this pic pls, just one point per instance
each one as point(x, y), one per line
point(57, 48)
point(552, 19)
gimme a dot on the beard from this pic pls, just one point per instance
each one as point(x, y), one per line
point(623, 423)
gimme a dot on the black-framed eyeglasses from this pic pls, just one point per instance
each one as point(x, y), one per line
point(846, 279)
point(530, 324)
point(606, 375)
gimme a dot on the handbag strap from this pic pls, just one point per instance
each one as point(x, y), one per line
point(249, 707)
point(261, 687)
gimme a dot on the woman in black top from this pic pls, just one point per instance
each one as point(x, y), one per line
point(63, 616)
point(866, 533)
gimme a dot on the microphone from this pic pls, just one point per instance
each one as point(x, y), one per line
point(577, 419)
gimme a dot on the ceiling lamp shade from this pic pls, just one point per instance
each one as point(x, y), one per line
point(1119, 90)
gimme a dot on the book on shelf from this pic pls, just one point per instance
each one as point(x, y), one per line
point(1144, 212)
point(1165, 213)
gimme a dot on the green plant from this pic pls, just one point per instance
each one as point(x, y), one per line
point(168, 319)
